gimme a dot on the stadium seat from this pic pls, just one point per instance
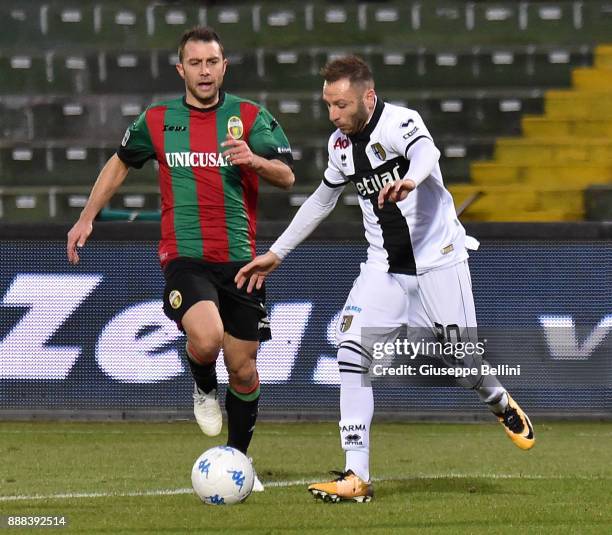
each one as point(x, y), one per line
point(74, 72)
point(68, 202)
point(166, 79)
point(124, 72)
point(21, 24)
point(76, 23)
point(492, 20)
point(300, 115)
point(119, 113)
point(73, 164)
point(15, 119)
point(442, 17)
point(234, 24)
point(24, 204)
point(296, 70)
point(22, 164)
point(23, 73)
point(169, 21)
point(244, 71)
point(396, 69)
point(391, 19)
point(338, 23)
point(122, 25)
point(282, 25)
point(67, 119)
point(549, 19)
point(310, 163)
point(146, 175)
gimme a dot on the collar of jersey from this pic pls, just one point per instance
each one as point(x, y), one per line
point(364, 135)
point(206, 110)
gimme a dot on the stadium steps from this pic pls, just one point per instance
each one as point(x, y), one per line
point(560, 154)
point(512, 203)
point(534, 151)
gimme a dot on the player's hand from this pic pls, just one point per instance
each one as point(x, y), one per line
point(395, 191)
point(238, 152)
point(77, 236)
point(256, 271)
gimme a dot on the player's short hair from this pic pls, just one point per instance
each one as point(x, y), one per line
point(352, 67)
point(199, 33)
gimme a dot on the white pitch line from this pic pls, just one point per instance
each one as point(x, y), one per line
point(293, 483)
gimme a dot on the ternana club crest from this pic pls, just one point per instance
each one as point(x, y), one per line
point(234, 127)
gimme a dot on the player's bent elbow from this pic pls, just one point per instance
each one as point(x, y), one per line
point(287, 181)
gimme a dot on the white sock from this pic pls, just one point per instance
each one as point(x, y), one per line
point(496, 398)
point(356, 409)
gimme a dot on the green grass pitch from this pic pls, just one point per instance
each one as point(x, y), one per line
point(430, 478)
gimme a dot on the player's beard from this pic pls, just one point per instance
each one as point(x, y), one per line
point(360, 119)
point(207, 98)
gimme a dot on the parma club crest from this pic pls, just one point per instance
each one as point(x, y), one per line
point(234, 127)
point(379, 151)
point(346, 323)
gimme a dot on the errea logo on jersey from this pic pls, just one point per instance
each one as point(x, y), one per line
point(195, 159)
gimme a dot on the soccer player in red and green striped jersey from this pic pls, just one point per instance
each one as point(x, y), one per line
point(212, 148)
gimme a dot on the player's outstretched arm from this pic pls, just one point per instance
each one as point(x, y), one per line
point(423, 156)
point(395, 191)
point(109, 180)
point(257, 270)
point(275, 172)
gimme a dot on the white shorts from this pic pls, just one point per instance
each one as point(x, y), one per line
point(381, 304)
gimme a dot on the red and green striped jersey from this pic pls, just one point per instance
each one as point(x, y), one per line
point(209, 207)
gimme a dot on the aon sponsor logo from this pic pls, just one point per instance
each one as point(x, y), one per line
point(195, 159)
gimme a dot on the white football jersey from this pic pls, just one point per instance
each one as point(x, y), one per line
point(421, 232)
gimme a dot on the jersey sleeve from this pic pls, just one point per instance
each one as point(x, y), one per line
point(333, 177)
point(268, 140)
point(136, 146)
point(408, 129)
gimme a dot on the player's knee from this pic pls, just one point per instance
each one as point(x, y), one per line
point(243, 376)
point(204, 349)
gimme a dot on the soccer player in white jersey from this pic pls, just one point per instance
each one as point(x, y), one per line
point(416, 273)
